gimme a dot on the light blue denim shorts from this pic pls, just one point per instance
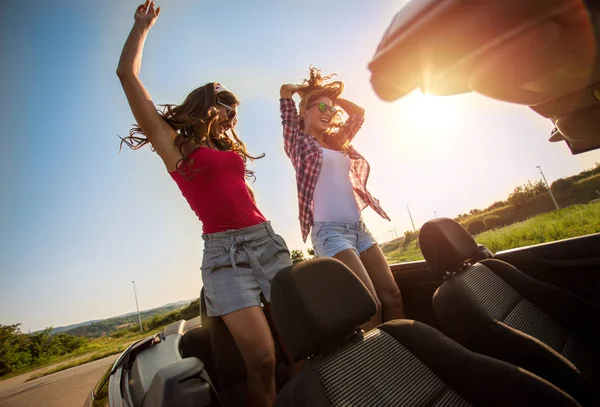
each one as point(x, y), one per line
point(330, 238)
point(238, 265)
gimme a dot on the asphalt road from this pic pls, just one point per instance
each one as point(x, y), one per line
point(68, 388)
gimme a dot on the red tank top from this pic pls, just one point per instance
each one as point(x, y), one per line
point(218, 193)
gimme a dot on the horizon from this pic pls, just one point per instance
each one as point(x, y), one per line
point(81, 221)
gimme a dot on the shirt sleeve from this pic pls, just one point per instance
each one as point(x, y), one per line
point(289, 121)
point(352, 126)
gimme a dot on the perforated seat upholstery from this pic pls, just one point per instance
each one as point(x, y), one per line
point(318, 306)
point(493, 308)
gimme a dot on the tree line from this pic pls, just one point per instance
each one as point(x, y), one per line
point(19, 351)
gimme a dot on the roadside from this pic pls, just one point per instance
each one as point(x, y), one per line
point(69, 388)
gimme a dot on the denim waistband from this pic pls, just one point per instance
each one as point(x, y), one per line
point(358, 225)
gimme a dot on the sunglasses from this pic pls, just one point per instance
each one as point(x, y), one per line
point(231, 112)
point(323, 107)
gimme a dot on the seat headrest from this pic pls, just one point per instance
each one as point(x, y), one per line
point(316, 303)
point(446, 245)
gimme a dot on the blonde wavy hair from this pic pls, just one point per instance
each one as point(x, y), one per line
point(317, 86)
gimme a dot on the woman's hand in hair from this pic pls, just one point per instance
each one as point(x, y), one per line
point(349, 107)
point(146, 14)
point(288, 90)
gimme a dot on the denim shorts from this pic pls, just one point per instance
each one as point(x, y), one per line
point(330, 238)
point(238, 265)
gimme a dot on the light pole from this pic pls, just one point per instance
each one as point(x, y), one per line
point(548, 186)
point(411, 219)
point(137, 306)
point(435, 214)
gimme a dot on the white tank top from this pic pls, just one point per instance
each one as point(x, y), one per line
point(334, 199)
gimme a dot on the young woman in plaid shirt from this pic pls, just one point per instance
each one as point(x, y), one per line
point(331, 178)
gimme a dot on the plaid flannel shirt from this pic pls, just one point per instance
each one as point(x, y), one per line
point(307, 158)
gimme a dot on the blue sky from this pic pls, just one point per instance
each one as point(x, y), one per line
point(79, 221)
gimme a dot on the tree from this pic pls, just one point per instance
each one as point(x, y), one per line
point(525, 192)
point(39, 344)
point(311, 253)
point(561, 185)
point(12, 342)
point(297, 256)
point(475, 211)
point(496, 205)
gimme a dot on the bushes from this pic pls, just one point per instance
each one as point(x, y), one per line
point(20, 351)
point(493, 222)
point(191, 311)
point(120, 333)
point(561, 185)
point(475, 227)
point(522, 194)
point(392, 245)
point(409, 236)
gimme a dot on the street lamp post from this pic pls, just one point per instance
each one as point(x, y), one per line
point(548, 186)
point(411, 219)
point(138, 307)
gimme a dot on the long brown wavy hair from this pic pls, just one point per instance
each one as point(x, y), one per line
point(196, 120)
point(317, 86)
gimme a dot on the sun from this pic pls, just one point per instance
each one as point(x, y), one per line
point(426, 122)
point(430, 111)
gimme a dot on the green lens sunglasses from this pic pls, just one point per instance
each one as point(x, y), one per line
point(323, 107)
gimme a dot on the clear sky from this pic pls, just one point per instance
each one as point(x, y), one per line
point(79, 221)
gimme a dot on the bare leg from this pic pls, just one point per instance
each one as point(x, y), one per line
point(251, 333)
point(293, 367)
point(381, 276)
point(350, 259)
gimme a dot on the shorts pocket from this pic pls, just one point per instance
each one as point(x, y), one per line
point(281, 242)
point(214, 258)
point(325, 234)
point(272, 251)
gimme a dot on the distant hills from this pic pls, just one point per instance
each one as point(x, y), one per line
point(98, 327)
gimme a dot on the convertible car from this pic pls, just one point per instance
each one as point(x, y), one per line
point(512, 328)
point(516, 327)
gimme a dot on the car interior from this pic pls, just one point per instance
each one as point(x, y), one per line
point(532, 309)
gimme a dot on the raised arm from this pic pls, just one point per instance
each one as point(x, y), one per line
point(158, 132)
point(350, 108)
point(289, 115)
point(288, 90)
point(356, 117)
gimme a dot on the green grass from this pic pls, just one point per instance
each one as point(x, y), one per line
point(573, 221)
point(98, 348)
point(91, 358)
point(409, 253)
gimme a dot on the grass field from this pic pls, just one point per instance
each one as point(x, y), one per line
point(573, 221)
point(96, 349)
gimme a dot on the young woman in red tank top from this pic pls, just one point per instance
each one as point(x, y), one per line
point(198, 145)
